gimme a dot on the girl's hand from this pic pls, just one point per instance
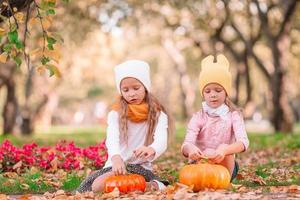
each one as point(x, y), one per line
point(118, 166)
point(194, 153)
point(144, 153)
point(220, 154)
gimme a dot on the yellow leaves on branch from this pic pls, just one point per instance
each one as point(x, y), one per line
point(41, 70)
point(3, 57)
point(2, 31)
point(36, 53)
point(55, 54)
point(32, 22)
point(47, 22)
point(53, 70)
point(19, 16)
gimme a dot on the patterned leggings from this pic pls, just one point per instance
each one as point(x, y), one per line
point(86, 184)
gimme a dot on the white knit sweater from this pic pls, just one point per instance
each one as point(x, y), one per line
point(136, 138)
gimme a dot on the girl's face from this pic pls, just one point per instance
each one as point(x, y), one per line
point(133, 90)
point(214, 95)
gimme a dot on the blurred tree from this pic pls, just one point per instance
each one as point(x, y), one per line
point(9, 112)
point(244, 28)
point(273, 32)
point(19, 19)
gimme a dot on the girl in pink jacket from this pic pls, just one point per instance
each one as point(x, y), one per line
point(216, 132)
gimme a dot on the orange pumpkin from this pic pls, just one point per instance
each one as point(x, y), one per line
point(205, 175)
point(125, 183)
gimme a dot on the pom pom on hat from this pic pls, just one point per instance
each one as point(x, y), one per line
point(137, 69)
point(215, 72)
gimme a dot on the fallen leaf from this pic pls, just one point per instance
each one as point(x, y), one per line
point(33, 170)
point(89, 195)
point(60, 197)
point(114, 194)
point(243, 189)
point(59, 192)
point(24, 197)
point(48, 195)
point(54, 164)
point(236, 186)
point(18, 165)
point(24, 186)
point(293, 189)
point(239, 176)
point(3, 197)
point(183, 194)
point(259, 180)
point(13, 175)
point(3, 57)
point(55, 184)
point(61, 174)
point(170, 189)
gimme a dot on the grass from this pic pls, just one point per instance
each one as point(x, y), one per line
point(83, 136)
point(26, 183)
point(264, 171)
point(269, 183)
point(262, 141)
point(72, 182)
point(35, 183)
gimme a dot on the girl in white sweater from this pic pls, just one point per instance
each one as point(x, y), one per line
point(137, 131)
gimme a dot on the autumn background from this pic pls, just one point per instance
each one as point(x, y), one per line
point(58, 84)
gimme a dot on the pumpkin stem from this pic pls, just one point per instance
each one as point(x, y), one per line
point(203, 159)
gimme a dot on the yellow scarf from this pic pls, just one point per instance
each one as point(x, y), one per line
point(136, 113)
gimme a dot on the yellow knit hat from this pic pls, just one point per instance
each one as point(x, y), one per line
point(215, 72)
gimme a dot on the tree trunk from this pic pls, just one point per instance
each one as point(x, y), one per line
point(237, 87)
point(282, 114)
point(9, 113)
point(248, 80)
point(186, 90)
point(27, 115)
point(26, 126)
point(44, 115)
point(10, 107)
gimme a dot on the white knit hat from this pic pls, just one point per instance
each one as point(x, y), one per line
point(137, 69)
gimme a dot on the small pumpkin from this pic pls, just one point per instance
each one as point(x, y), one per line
point(205, 175)
point(125, 183)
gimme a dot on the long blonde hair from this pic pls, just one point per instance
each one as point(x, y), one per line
point(155, 107)
point(231, 105)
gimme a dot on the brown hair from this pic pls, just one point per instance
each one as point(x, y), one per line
point(155, 108)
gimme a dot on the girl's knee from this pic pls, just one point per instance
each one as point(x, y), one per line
point(229, 158)
point(98, 184)
point(222, 145)
point(228, 161)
